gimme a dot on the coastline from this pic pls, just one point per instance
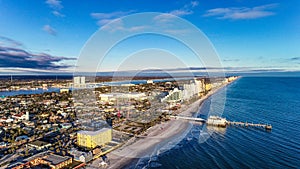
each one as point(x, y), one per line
point(157, 136)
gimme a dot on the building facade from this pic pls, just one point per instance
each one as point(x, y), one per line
point(92, 139)
point(113, 96)
point(79, 81)
point(174, 95)
point(52, 161)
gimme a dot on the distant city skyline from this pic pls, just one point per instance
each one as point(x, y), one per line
point(47, 36)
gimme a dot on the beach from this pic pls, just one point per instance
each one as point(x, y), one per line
point(157, 137)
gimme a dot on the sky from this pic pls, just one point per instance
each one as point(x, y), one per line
point(50, 35)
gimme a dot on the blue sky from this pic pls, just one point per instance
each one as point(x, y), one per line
point(42, 36)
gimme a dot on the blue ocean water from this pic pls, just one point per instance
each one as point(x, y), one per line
point(273, 100)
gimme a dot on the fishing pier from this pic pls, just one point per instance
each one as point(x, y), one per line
point(222, 122)
point(246, 124)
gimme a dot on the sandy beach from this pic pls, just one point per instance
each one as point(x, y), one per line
point(157, 136)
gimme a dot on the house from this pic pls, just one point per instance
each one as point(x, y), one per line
point(3, 144)
point(39, 145)
point(53, 118)
point(21, 116)
point(6, 120)
point(81, 156)
point(28, 123)
point(28, 129)
point(64, 90)
point(23, 137)
point(66, 125)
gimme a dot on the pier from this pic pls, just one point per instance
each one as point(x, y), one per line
point(188, 118)
point(246, 124)
point(222, 122)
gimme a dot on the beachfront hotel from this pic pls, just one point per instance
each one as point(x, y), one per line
point(92, 139)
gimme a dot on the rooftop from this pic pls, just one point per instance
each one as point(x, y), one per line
point(39, 143)
point(135, 94)
point(92, 133)
point(55, 159)
point(91, 125)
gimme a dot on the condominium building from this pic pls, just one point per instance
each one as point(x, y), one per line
point(92, 139)
point(174, 95)
point(79, 81)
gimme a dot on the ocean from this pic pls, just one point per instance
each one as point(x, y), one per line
point(271, 100)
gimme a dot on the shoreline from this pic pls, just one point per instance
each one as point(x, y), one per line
point(163, 133)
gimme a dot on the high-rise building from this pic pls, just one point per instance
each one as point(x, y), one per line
point(82, 80)
point(92, 139)
point(174, 95)
point(79, 81)
point(76, 80)
point(27, 116)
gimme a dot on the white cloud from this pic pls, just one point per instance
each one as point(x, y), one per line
point(101, 22)
point(194, 3)
point(49, 29)
point(167, 21)
point(239, 13)
point(104, 18)
point(187, 9)
point(58, 14)
point(180, 12)
point(54, 4)
point(118, 25)
point(164, 18)
point(116, 14)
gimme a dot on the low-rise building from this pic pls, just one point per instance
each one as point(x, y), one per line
point(64, 90)
point(3, 144)
point(39, 145)
point(216, 121)
point(6, 120)
point(53, 161)
point(23, 137)
point(21, 116)
point(66, 125)
point(81, 155)
point(106, 97)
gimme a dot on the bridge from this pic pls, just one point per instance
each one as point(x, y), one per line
point(188, 118)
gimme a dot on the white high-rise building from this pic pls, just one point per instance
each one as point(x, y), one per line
point(191, 89)
point(82, 80)
point(76, 80)
point(79, 81)
point(27, 116)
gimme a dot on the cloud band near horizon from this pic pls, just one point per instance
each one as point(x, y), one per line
point(16, 57)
